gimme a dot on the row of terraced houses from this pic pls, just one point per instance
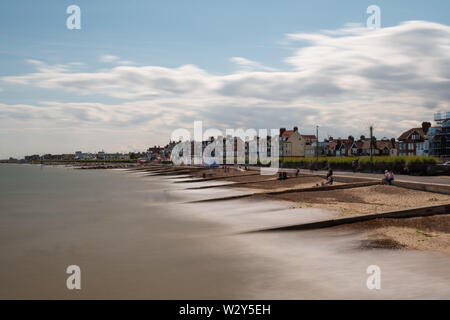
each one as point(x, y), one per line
point(420, 141)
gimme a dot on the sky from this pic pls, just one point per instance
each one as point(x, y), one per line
point(137, 70)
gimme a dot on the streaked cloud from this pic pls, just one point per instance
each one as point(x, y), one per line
point(249, 65)
point(107, 58)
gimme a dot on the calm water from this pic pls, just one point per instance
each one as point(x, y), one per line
point(134, 236)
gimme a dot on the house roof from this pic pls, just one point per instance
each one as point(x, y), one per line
point(359, 144)
point(308, 136)
point(378, 145)
point(405, 135)
point(343, 143)
point(287, 133)
point(384, 144)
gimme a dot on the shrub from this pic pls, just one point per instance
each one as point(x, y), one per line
point(399, 164)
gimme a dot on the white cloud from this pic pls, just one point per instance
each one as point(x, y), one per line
point(125, 62)
point(248, 65)
point(107, 58)
point(342, 79)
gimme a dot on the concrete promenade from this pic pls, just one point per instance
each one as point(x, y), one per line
point(400, 177)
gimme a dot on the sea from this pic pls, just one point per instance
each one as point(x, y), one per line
point(136, 235)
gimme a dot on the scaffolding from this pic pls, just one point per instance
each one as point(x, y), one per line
point(440, 139)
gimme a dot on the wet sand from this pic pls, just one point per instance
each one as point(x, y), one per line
point(421, 233)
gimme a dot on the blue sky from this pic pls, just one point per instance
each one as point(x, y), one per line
point(169, 34)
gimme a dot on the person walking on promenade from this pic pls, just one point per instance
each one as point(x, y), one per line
point(330, 178)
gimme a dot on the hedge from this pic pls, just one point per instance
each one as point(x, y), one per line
point(399, 164)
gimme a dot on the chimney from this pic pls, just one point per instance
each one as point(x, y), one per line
point(282, 130)
point(295, 129)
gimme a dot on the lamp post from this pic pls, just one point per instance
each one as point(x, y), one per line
point(317, 143)
point(371, 149)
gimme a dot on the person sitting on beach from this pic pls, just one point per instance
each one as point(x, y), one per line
point(390, 177)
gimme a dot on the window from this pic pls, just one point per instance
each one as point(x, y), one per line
point(415, 136)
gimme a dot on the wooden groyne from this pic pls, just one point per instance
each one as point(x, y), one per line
point(398, 214)
point(216, 178)
point(231, 184)
point(291, 190)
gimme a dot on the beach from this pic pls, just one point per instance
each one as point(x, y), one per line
point(139, 235)
point(384, 233)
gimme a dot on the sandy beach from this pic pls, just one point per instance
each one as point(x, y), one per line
point(365, 200)
point(422, 233)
